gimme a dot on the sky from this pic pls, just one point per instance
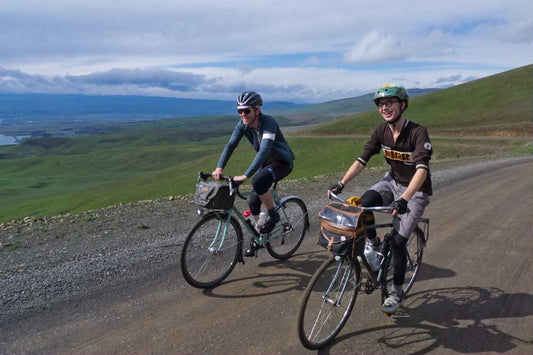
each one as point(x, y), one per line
point(305, 51)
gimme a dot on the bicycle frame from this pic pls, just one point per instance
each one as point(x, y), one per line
point(377, 276)
point(235, 211)
point(215, 243)
point(251, 229)
point(332, 291)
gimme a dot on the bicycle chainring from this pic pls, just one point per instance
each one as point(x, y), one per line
point(369, 286)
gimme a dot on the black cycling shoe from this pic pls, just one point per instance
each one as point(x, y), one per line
point(270, 223)
point(251, 251)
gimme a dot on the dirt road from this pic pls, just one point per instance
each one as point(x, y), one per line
point(474, 294)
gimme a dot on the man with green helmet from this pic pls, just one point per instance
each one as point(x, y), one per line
point(407, 187)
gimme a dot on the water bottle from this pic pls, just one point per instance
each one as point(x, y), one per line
point(249, 218)
point(261, 221)
point(371, 257)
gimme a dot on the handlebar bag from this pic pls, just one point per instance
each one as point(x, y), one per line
point(213, 195)
point(341, 229)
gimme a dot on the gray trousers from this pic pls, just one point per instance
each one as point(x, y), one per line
point(390, 191)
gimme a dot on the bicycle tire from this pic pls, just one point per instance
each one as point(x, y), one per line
point(415, 252)
point(321, 317)
point(290, 231)
point(205, 261)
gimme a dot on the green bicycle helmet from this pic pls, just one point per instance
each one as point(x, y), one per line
point(392, 90)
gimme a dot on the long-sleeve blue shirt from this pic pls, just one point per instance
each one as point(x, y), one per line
point(268, 141)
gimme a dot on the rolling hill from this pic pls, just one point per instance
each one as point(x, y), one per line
point(49, 176)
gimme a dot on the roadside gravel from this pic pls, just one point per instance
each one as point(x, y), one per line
point(44, 261)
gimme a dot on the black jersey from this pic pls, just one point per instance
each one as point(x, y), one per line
point(412, 150)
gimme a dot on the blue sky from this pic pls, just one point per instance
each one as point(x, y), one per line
point(300, 50)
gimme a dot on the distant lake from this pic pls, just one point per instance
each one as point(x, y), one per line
point(8, 140)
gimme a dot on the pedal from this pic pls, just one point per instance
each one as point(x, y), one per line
point(286, 227)
point(369, 286)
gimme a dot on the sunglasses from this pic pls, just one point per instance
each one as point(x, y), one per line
point(246, 111)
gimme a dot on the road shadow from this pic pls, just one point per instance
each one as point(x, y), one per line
point(279, 276)
point(459, 319)
point(294, 274)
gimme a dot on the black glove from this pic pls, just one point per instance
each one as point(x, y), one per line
point(336, 188)
point(400, 205)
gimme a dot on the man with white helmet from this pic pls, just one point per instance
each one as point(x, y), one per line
point(273, 161)
point(407, 149)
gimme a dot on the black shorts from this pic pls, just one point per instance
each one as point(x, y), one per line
point(268, 174)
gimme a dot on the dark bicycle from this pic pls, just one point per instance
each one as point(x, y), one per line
point(332, 291)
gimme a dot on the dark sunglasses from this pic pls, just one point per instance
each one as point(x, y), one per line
point(245, 110)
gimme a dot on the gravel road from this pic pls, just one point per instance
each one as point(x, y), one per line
point(45, 261)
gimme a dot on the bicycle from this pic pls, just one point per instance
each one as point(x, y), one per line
point(214, 245)
point(332, 291)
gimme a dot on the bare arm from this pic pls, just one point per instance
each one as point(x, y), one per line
point(415, 184)
point(353, 171)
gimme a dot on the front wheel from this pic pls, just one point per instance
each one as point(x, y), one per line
point(415, 250)
point(328, 301)
point(211, 250)
point(289, 233)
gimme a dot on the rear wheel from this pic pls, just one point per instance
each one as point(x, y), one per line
point(328, 301)
point(211, 250)
point(289, 233)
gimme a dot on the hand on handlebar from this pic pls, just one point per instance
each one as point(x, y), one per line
point(217, 174)
point(336, 188)
point(240, 178)
point(399, 206)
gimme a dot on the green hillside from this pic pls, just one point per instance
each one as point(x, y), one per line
point(499, 105)
point(43, 177)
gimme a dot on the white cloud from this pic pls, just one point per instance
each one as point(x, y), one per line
point(306, 50)
point(377, 47)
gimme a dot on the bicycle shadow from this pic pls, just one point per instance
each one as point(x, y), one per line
point(459, 319)
point(297, 271)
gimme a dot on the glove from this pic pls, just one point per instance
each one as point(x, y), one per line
point(400, 205)
point(336, 188)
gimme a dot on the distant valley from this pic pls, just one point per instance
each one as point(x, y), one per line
point(55, 115)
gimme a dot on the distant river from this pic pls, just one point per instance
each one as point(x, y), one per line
point(7, 140)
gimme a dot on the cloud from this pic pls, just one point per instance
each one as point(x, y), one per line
point(377, 47)
point(162, 78)
point(301, 50)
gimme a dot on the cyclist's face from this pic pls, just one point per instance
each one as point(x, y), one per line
point(248, 115)
point(390, 108)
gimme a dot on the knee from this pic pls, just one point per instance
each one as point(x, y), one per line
point(371, 198)
point(261, 183)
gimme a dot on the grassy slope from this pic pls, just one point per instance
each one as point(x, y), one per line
point(162, 158)
point(496, 105)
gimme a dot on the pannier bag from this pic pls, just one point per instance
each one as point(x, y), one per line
point(341, 229)
point(213, 195)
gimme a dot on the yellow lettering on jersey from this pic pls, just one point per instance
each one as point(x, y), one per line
point(400, 156)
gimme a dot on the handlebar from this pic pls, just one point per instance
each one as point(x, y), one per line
point(233, 185)
point(383, 209)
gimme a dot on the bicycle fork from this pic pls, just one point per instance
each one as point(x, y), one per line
point(344, 274)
